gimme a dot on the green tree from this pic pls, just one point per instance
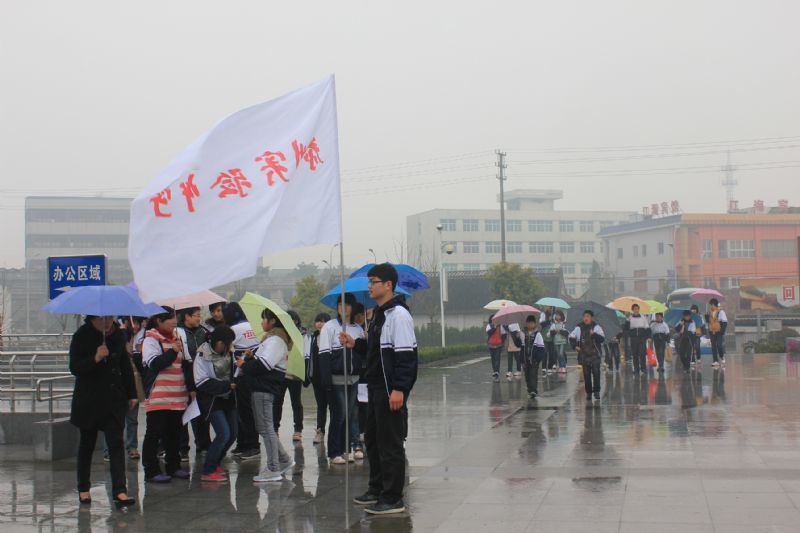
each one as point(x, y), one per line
point(512, 281)
point(308, 292)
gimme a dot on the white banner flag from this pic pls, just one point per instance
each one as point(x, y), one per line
point(262, 180)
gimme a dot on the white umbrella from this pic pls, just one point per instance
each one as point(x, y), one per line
point(198, 299)
point(496, 305)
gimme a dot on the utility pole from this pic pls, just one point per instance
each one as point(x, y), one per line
point(501, 165)
point(730, 183)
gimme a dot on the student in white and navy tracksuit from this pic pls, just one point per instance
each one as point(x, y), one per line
point(686, 331)
point(639, 331)
point(660, 331)
point(717, 321)
point(587, 338)
point(534, 353)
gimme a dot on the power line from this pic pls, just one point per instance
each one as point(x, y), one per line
point(762, 140)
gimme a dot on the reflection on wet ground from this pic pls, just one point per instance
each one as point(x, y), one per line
point(712, 450)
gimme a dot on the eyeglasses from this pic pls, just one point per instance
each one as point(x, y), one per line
point(375, 282)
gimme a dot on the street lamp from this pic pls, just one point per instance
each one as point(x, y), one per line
point(374, 257)
point(448, 249)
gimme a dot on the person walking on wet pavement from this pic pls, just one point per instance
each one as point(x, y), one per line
point(587, 338)
point(534, 353)
point(514, 350)
point(104, 392)
point(660, 331)
point(391, 373)
point(701, 330)
point(495, 338)
point(717, 322)
point(557, 332)
point(686, 330)
point(639, 331)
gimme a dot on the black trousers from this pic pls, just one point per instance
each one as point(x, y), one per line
point(116, 451)
point(321, 396)
point(532, 375)
point(591, 374)
point(552, 358)
point(164, 426)
point(639, 349)
point(295, 389)
point(660, 347)
point(384, 434)
point(717, 346)
point(247, 438)
point(612, 355)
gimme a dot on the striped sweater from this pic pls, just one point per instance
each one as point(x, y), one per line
point(169, 391)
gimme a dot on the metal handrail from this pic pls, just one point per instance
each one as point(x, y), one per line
point(50, 391)
point(34, 357)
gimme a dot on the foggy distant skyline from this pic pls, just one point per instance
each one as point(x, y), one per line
point(98, 97)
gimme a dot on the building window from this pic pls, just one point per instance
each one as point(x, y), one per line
point(640, 285)
point(606, 224)
point(621, 286)
point(619, 253)
point(448, 224)
point(450, 267)
point(779, 248)
point(587, 247)
point(494, 247)
point(471, 247)
point(568, 268)
point(567, 247)
point(492, 224)
point(470, 225)
point(566, 226)
point(587, 226)
point(661, 248)
point(737, 248)
point(644, 250)
point(571, 289)
point(540, 226)
point(514, 247)
point(513, 225)
point(636, 251)
point(728, 283)
point(586, 268)
point(472, 267)
point(640, 273)
point(543, 268)
point(708, 249)
point(708, 283)
point(540, 247)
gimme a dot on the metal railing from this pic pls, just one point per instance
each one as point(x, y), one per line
point(50, 393)
point(20, 370)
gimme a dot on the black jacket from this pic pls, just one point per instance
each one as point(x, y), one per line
point(391, 367)
point(104, 388)
point(262, 379)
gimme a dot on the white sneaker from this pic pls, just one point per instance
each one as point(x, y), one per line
point(267, 476)
point(359, 455)
point(339, 460)
point(319, 437)
point(517, 374)
point(350, 458)
point(715, 364)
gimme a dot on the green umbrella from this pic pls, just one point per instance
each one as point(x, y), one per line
point(656, 307)
point(252, 305)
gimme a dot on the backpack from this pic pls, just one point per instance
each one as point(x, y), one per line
point(496, 338)
point(714, 325)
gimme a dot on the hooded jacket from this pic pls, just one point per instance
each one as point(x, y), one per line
point(589, 338)
point(392, 360)
point(265, 370)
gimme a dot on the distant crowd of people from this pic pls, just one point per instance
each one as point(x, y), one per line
point(543, 342)
point(362, 365)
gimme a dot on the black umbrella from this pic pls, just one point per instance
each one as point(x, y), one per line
point(606, 318)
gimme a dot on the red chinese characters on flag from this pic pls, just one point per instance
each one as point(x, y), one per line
point(161, 199)
point(272, 166)
point(309, 154)
point(675, 206)
point(664, 208)
point(190, 192)
point(232, 182)
point(654, 209)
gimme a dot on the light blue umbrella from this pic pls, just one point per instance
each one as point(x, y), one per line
point(553, 302)
point(101, 300)
point(408, 278)
point(358, 287)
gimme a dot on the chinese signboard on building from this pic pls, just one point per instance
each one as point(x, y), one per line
point(67, 272)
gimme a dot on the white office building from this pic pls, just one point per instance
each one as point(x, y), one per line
point(537, 236)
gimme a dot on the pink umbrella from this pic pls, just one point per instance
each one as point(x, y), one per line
point(706, 295)
point(514, 314)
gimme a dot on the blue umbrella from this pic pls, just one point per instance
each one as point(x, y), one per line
point(674, 315)
point(358, 287)
point(101, 300)
point(553, 302)
point(408, 278)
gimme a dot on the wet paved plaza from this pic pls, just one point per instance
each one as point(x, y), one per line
point(709, 451)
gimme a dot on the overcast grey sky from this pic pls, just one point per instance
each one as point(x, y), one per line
point(98, 96)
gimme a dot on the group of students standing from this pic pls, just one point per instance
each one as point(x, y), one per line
point(239, 382)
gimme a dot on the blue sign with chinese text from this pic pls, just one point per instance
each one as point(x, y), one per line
point(64, 273)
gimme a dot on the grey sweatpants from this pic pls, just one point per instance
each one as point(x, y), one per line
point(263, 405)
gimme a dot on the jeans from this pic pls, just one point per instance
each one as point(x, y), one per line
point(112, 430)
point(560, 351)
point(295, 389)
point(496, 353)
point(224, 422)
point(162, 426)
point(512, 357)
point(639, 349)
point(131, 430)
point(263, 410)
point(532, 375)
point(384, 435)
point(247, 437)
point(321, 396)
point(591, 375)
point(718, 346)
point(336, 431)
